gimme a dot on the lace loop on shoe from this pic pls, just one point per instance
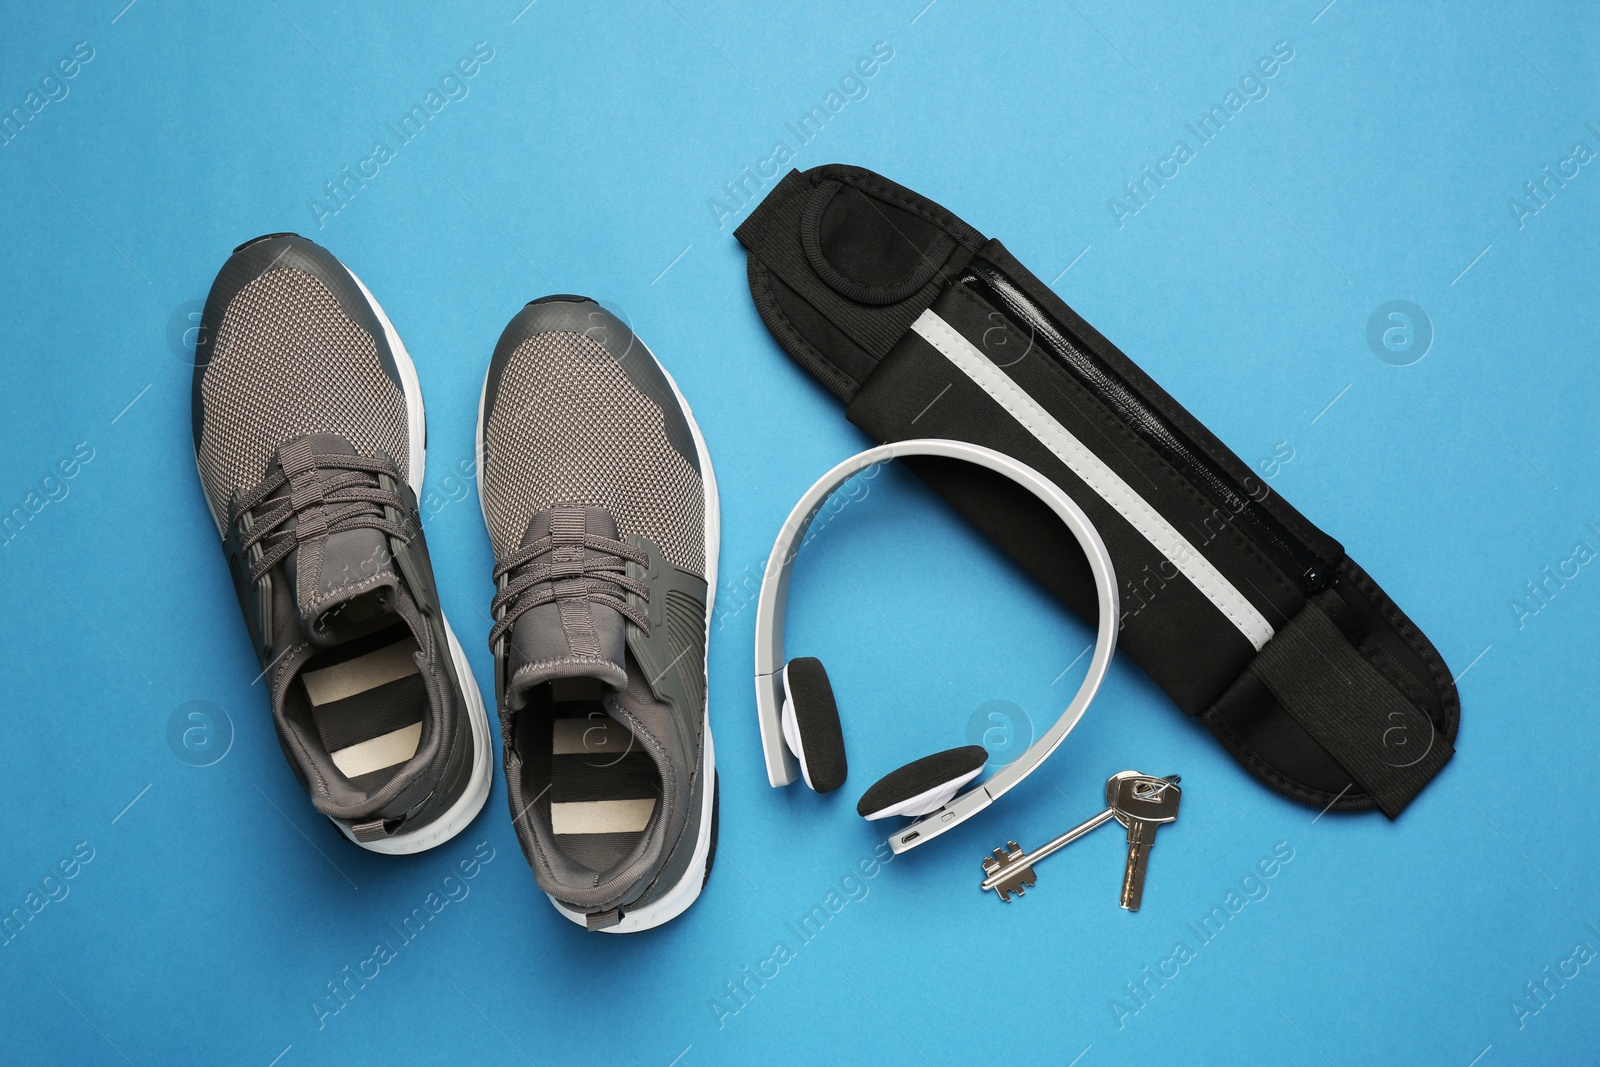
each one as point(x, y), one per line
point(343, 494)
point(602, 579)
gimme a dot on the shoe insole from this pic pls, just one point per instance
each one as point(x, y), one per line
point(603, 788)
point(368, 710)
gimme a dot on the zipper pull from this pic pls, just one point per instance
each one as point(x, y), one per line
point(1317, 578)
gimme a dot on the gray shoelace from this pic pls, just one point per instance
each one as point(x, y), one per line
point(328, 493)
point(601, 578)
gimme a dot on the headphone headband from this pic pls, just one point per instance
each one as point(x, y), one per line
point(781, 765)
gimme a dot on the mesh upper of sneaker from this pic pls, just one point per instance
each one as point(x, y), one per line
point(287, 362)
point(568, 426)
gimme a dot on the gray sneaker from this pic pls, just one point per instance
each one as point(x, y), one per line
point(309, 436)
point(601, 504)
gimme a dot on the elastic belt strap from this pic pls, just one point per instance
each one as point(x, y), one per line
point(1390, 746)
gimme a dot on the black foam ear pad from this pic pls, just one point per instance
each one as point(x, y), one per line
point(817, 718)
point(923, 785)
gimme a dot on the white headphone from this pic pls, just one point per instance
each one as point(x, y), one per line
point(799, 718)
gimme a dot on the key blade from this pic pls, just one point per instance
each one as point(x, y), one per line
point(1133, 875)
point(1141, 835)
point(1020, 882)
point(996, 863)
point(1014, 883)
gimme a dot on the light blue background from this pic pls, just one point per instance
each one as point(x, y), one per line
point(1379, 166)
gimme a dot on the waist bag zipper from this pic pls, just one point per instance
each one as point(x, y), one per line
point(1200, 470)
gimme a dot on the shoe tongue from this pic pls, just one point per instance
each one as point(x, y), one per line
point(572, 636)
point(343, 583)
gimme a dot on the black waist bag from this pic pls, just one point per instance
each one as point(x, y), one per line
point(1251, 618)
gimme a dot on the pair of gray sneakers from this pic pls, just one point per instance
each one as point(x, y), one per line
point(598, 493)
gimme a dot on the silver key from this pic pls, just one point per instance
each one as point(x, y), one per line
point(1143, 805)
point(1010, 870)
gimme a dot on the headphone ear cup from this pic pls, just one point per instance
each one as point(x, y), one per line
point(811, 724)
point(924, 785)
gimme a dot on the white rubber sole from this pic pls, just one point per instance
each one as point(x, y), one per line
point(687, 891)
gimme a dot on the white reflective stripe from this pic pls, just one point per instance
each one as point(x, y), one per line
point(1099, 477)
